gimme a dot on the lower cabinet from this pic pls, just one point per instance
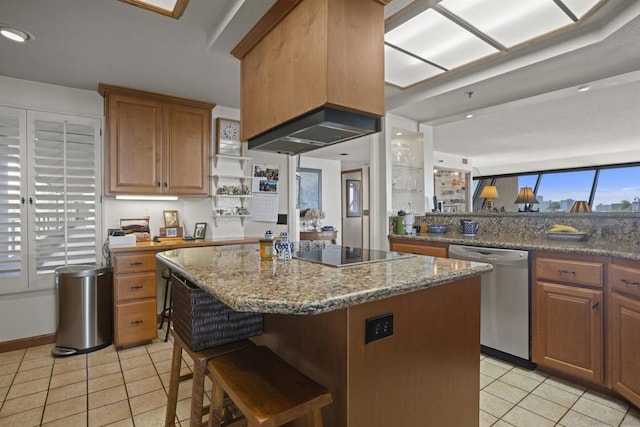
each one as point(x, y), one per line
point(419, 248)
point(624, 331)
point(135, 317)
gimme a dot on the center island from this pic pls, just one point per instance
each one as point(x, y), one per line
point(424, 373)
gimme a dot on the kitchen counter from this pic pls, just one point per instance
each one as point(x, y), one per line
point(173, 243)
point(238, 277)
point(591, 246)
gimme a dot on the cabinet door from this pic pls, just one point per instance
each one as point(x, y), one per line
point(624, 342)
point(419, 249)
point(568, 330)
point(134, 141)
point(185, 153)
point(135, 322)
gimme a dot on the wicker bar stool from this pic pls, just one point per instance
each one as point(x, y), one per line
point(267, 390)
point(200, 359)
point(166, 309)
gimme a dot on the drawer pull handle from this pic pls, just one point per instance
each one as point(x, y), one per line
point(133, 264)
point(137, 322)
point(135, 288)
point(629, 282)
point(563, 271)
point(595, 305)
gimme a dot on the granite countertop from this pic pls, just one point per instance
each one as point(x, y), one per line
point(173, 242)
point(238, 277)
point(591, 246)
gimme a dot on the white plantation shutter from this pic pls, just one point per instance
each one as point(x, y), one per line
point(13, 255)
point(64, 183)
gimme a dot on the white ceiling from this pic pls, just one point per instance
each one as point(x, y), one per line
point(525, 103)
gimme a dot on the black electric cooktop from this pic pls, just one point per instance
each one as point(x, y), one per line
point(343, 256)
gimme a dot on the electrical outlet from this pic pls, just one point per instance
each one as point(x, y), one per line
point(378, 327)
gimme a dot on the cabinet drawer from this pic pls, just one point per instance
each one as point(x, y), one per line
point(135, 286)
point(570, 271)
point(133, 263)
point(420, 250)
point(626, 279)
point(135, 322)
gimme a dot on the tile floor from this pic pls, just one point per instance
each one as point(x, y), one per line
point(128, 388)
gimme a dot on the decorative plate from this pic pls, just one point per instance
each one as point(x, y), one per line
point(566, 237)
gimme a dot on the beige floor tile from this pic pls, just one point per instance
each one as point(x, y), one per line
point(3, 393)
point(26, 418)
point(61, 366)
point(140, 373)
point(162, 355)
point(493, 404)
point(565, 385)
point(32, 374)
point(164, 366)
point(184, 389)
point(38, 352)
point(106, 381)
point(486, 419)
point(183, 408)
point(9, 369)
point(164, 377)
point(505, 391)
point(158, 346)
point(30, 387)
point(485, 380)
point(6, 380)
point(35, 363)
point(99, 353)
point(24, 403)
point(576, 419)
point(598, 411)
point(506, 365)
point(107, 396)
point(67, 392)
point(502, 423)
point(609, 401)
point(543, 407)
point(150, 418)
point(520, 381)
point(492, 370)
point(522, 418)
point(127, 422)
point(102, 370)
point(109, 414)
point(132, 352)
point(77, 420)
point(146, 385)
point(64, 409)
point(136, 362)
point(147, 402)
point(536, 375)
point(556, 395)
point(632, 419)
point(68, 378)
point(103, 359)
point(11, 357)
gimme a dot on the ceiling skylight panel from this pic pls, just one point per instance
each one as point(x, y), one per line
point(162, 4)
point(580, 7)
point(510, 22)
point(403, 70)
point(435, 38)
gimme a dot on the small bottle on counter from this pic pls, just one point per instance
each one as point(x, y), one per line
point(266, 249)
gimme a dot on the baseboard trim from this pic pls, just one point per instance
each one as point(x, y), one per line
point(21, 343)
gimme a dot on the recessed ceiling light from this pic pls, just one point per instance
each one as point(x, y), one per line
point(15, 34)
point(398, 133)
point(468, 116)
point(584, 88)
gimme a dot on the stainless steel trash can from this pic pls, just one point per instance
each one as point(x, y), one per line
point(84, 300)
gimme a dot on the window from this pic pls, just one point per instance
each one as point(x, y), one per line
point(558, 191)
point(50, 216)
point(618, 190)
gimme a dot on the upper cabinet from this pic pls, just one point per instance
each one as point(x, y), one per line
point(306, 54)
point(156, 144)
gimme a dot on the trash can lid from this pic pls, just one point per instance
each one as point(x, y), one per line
point(81, 270)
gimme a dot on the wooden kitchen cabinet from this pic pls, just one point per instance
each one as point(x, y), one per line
point(419, 247)
point(156, 144)
point(135, 318)
point(624, 329)
point(568, 314)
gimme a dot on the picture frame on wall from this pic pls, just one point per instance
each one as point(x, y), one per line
point(228, 137)
point(200, 230)
point(171, 219)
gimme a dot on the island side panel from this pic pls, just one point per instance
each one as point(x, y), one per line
point(427, 372)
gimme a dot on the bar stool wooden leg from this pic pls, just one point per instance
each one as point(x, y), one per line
point(197, 395)
point(217, 399)
point(174, 382)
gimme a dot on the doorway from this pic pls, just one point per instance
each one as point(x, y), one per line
point(355, 208)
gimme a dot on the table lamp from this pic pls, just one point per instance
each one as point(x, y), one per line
point(580, 206)
point(489, 192)
point(527, 197)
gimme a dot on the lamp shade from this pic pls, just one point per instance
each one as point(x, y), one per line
point(489, 192)
point(526, 196)
point(580, 206)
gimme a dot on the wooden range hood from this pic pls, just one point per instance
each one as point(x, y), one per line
point(312, 74)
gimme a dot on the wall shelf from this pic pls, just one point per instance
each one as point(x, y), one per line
point(242, 160)
point(242, 218)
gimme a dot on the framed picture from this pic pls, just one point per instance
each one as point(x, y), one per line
point(310, 189)
point(172, 232)
point(200, 231)
point(171, 219)
point(228, 137)
point(354, 206)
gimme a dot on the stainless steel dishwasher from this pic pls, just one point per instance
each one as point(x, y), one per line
point(505, 313)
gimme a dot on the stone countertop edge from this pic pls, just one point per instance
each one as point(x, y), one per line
point(586, 247)
point(172, 243)
point(238, 277)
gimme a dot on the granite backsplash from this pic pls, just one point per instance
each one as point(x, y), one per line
point(618, 227)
